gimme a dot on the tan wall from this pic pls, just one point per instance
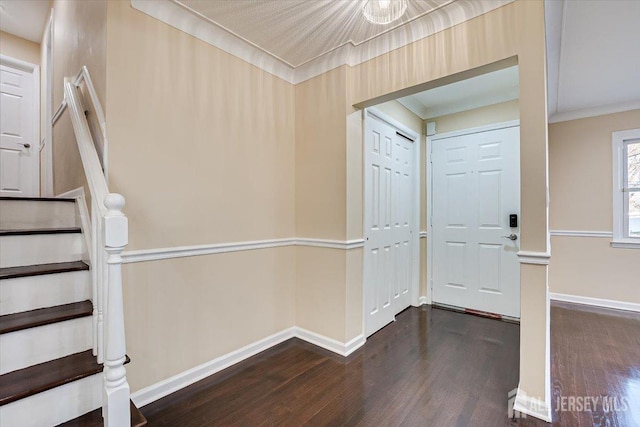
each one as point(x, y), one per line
point(590, 267)
point(496, 113)
point(580, 171)
point(19, 48)
point(202, 148)
point(321, 156)
point(79, 39)
point(183, 312)
point(24, 50)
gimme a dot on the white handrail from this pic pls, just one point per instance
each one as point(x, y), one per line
point(84, 74)
point(109, 236)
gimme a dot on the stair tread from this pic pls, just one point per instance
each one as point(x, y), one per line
point(45, 376)
point(40, 269)
point(38, 199)
point(44, 316)
point(94, 419)
point(31, 231)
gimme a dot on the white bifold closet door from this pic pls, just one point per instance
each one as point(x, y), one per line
point(389, 223)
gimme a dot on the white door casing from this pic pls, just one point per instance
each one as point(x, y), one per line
point(475, 187)
point(389, 221)
point(19, 117)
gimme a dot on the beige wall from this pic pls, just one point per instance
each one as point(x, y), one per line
point(496, 113)
point(321, 156)
point(183, 312)
point(19, 48)
point(202, 147)
point(580, 170)
point(79, 39)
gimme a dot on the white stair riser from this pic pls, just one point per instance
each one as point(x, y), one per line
point(40, 249)
point(55, 406)
point(47, 290)
point(30, 214)
point(31, 346)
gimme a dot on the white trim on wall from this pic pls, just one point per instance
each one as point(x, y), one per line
point(217, 248)
point(576, 233)
point(343, 349)
point(183, 379)
point(597, 302)
point(593, 112)
point(536, 258)
point(179, 381)
point(47, 133)
point(85, 218)
point(422, 234)
point(532, 406)
point(621, 237)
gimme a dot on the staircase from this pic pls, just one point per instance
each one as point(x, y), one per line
point(48, 371)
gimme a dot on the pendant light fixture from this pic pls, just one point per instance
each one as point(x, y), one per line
point(383, 12)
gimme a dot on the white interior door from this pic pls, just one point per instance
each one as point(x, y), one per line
point(19, 162)
point(389, 222)
point(475, 187)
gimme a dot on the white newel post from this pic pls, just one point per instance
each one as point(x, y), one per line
point(116, 410)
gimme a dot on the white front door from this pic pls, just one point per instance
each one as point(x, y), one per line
point(476, 187)
point(389, 222)
point(19, 154)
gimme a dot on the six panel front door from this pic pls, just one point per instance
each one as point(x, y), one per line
point(476, 186)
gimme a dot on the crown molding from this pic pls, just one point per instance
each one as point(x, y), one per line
point(191, 22)
point(594, 112)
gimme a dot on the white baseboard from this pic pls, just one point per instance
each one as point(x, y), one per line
point(343, 349)
point(532, 406)
point(170, 385)
point(423, 300)
point(598, 302)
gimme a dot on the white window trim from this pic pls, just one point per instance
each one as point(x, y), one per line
point(619, 215)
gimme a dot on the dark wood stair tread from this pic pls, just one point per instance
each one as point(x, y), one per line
point(38, 199)
point(31, 231)
point(94, 419)
point(45, 376)
point(44, 316)
point(40, 269)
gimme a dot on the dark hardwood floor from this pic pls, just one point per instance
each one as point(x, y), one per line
point(430, 368)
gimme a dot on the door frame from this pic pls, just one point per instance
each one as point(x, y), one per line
point(46, 137)
point(428, 187)
point(415, 208)
point(34, 70)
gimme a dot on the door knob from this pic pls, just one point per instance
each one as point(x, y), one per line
point(511, 236)
point(25, 145)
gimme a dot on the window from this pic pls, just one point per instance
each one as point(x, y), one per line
point(626, 189)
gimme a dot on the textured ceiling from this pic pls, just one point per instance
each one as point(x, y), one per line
point(297, 31)
point(24, 19)
point(593, 57)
